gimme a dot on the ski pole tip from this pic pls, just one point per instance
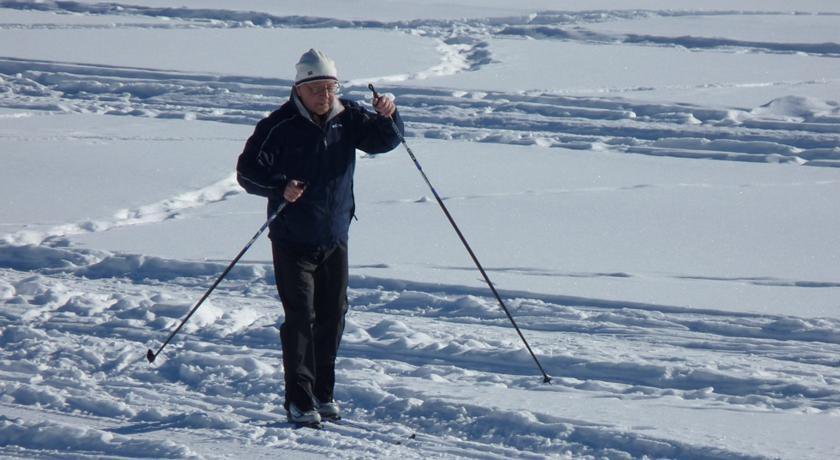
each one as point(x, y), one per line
point(150, 356)
point(546, 379)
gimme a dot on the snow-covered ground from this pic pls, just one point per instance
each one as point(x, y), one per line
point(650, 184)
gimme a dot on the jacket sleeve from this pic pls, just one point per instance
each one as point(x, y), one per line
point(378, 135)
point(254, 169)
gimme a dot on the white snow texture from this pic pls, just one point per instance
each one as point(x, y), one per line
point(651, 185)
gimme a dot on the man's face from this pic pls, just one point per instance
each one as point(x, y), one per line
point(317, 96)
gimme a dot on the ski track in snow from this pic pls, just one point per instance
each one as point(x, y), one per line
point(561, 25)
point(81, 324)
point(790, 129)
point(75, 322)
point(169, 208)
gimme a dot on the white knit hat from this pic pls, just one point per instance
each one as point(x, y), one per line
point(313, 66)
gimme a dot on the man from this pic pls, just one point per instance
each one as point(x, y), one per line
point(305, 153)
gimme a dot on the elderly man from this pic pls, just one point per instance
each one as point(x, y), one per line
point(305, 153)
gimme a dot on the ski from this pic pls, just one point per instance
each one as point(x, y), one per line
point(326, 423)
point(396, 439)
point(312, 426)
point(287, 423)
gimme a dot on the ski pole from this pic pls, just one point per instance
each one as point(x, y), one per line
point(546, 378)
point(150, 355)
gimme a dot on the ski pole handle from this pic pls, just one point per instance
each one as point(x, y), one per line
point(376, 97)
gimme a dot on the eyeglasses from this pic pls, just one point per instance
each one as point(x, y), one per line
point(321, 89)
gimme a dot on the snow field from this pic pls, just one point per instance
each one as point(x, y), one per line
point(147, 211)
point(651, 188)
point(80, 345)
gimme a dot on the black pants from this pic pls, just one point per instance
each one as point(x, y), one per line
point(312, 284)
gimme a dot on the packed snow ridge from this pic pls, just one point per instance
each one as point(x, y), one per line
point(169, 208)
point(791, 129)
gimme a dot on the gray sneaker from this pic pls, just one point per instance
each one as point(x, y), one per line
point(309, 417)
point(329, 410)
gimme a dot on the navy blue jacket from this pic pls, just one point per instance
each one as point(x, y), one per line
point(288, 145)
